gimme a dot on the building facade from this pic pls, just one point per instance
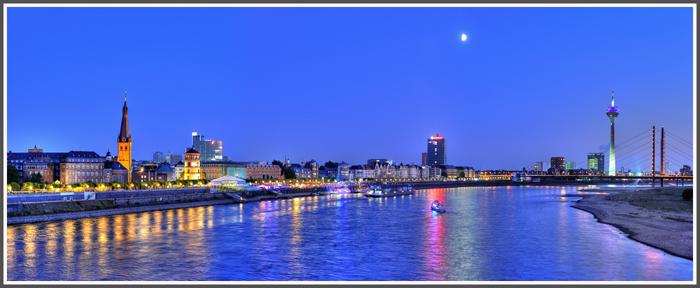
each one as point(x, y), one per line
point(263, 171)
point(424, 158)
point(596, 162)
point(570, 166)
point(192, 168)
point(558, 163)
point(159, 157)
point(210, 150)
point(436, 151)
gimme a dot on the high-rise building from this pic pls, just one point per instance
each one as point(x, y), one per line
point(570, 166)
point(424, 159)
point(158, 157)
point(124, 141)
point(210, 150)
point(436, 151)
point(174, 158)
point(596, 161)
point(558, 163)
point(612, 115)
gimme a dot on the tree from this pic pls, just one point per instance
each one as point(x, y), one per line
point(461, 174)
point(278, 163)
point(12, 174)
point(331, 164)
point(444, 174)
point(36, 178)
point(289, 174)
point(688, 194)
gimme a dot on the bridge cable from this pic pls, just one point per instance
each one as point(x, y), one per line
point(678, 137)
point(640, 134)
point(681, 153)
point(682, 142)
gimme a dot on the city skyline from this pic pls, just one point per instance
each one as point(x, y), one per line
point(367, 94)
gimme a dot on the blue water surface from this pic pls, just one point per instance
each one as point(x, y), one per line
point(487, 234)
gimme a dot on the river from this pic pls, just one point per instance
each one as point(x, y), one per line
point(487, 234)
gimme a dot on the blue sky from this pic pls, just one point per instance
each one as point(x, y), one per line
point(349, 84)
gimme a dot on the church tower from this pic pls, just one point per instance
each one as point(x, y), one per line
point(124, 141)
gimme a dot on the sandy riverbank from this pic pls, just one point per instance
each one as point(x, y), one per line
point(658, 216)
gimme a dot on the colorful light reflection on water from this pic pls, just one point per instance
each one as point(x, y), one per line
point(488, 234)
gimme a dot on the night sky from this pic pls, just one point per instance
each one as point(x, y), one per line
point(349, 84)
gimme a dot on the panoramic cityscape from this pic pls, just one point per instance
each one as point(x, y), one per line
point(310, 144)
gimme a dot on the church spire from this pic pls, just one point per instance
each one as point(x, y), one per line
point(124, 134)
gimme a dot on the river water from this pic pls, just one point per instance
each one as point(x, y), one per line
point(487, 234)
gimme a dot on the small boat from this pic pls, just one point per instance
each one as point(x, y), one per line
point(339, 190)
point(438, 206)
point(377, 191)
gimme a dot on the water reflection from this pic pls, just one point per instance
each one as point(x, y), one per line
point(488, 233)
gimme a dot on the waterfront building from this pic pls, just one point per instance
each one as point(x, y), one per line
point(192, 167)
point(424, 158)
point(612, 114)
point(215, 169)
point(424, 171)
point(557, 163)
point(468, 171)
point(400, 171)
point(434, 171)
point(383, 170)
point(596, 161)
point(372, 161)
point(313, 165)
point(357, 171)
point(67, 168)
point(158, 157)
point(570, 166)
point(436, 151)
point(413, 171)
point(179, 170)
point(263, 171)
point(153, 172)
point(449, 169)
point(113, 170)
point(323, 172)
point(300, 171)
point(124, 141)
point(667, 168)
point(686, 171)
point(344, 172)
point(210, 150)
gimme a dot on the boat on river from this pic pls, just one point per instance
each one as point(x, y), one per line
point(378, 191)
point(438, 206)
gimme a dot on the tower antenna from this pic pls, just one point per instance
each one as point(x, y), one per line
point(124, 96)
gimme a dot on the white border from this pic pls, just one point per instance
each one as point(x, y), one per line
point(578, 5)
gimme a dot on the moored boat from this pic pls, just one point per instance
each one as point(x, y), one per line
point(377, 191)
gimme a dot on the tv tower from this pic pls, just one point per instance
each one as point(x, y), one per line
point(612, 115)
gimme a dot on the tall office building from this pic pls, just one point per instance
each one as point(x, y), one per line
point(210, 150)
point(596, 161)
point(158, 157)
point(558, 163)
point(124, 141)
point(612, 115)
point(424, 158)
point(436, 151)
